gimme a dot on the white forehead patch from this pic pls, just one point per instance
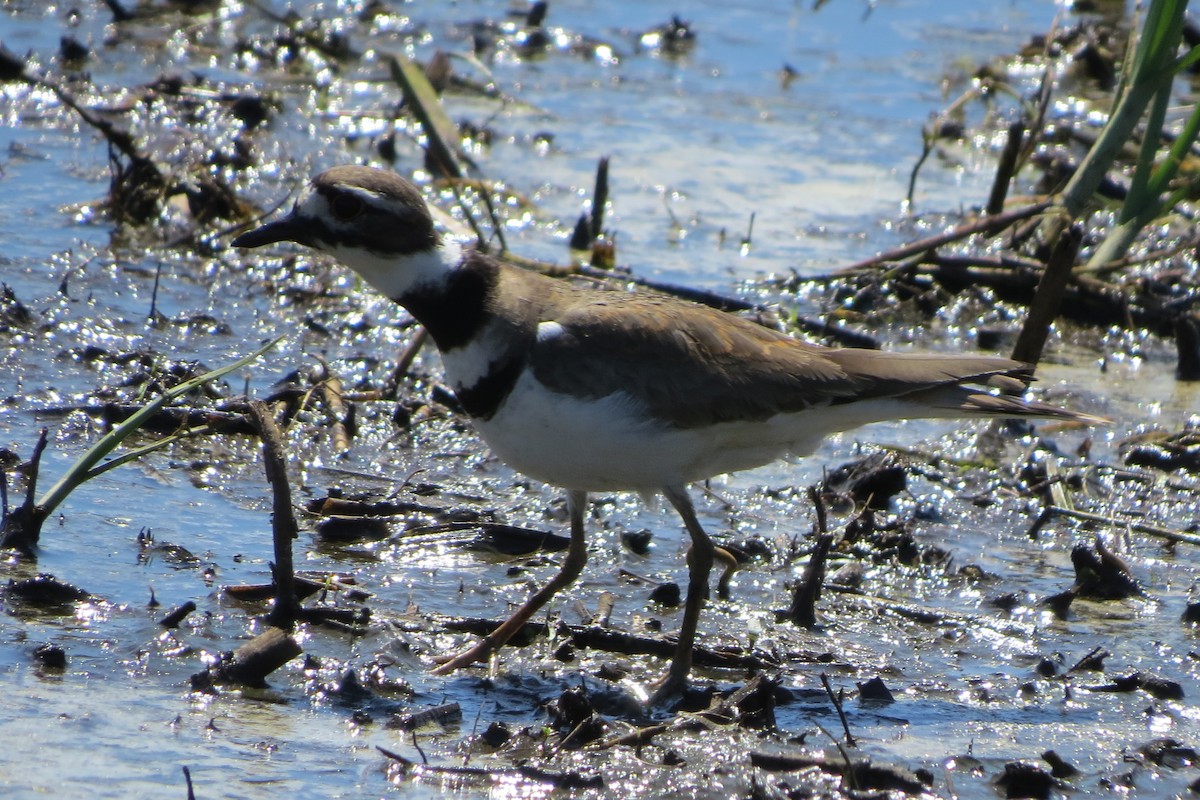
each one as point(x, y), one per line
point(309, 202)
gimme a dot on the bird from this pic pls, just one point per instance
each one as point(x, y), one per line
point(606, 391)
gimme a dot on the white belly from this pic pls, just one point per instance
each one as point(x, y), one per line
point(610, 445)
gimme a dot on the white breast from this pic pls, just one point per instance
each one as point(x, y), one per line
point(466, 365)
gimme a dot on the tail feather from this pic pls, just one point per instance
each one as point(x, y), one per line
point(969, 402)
point(952, 385)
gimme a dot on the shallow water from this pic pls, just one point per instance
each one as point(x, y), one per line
point(698, 142)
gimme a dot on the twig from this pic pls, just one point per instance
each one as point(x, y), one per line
point(807, 592)
point(929, 135)
point(20, 528)
point(927, 140)
point(417, 747)
point(990, 225)
point(1141, 527)
point(283, 522)
point(819, 509)
point(1048, 297)
point(469, 216)
point(177, 616)
point(333, 395)
point(391, 390)
point(153, 315)
point(1006, 167)
point(187, 777)
point(803, 611)
point(1095, 651)
point(837, 704)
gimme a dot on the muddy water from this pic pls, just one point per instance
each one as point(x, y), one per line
point(699, 140)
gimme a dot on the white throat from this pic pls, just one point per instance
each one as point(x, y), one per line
point(395, 276)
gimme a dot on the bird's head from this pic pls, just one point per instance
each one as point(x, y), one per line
point(372, 220)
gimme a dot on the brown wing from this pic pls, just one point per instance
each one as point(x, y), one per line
point(696, 366)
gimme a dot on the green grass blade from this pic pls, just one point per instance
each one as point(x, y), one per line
point(82, 469)
point(138, 452)
point(1169, 167)
point(1188, 60)
point(1140, 194)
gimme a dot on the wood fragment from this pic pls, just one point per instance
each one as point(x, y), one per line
point(1093, 661)
point(435, 715)
point(604, 609)
point(860, 773)
point(304, 586)
point(342, 507)
point(251, 663)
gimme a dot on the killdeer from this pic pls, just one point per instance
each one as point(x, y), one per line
point(600, 391)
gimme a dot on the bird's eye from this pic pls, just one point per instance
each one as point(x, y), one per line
point(346, 207)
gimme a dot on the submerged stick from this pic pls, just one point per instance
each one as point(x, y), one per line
point(803, 611)
point(177, 616)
